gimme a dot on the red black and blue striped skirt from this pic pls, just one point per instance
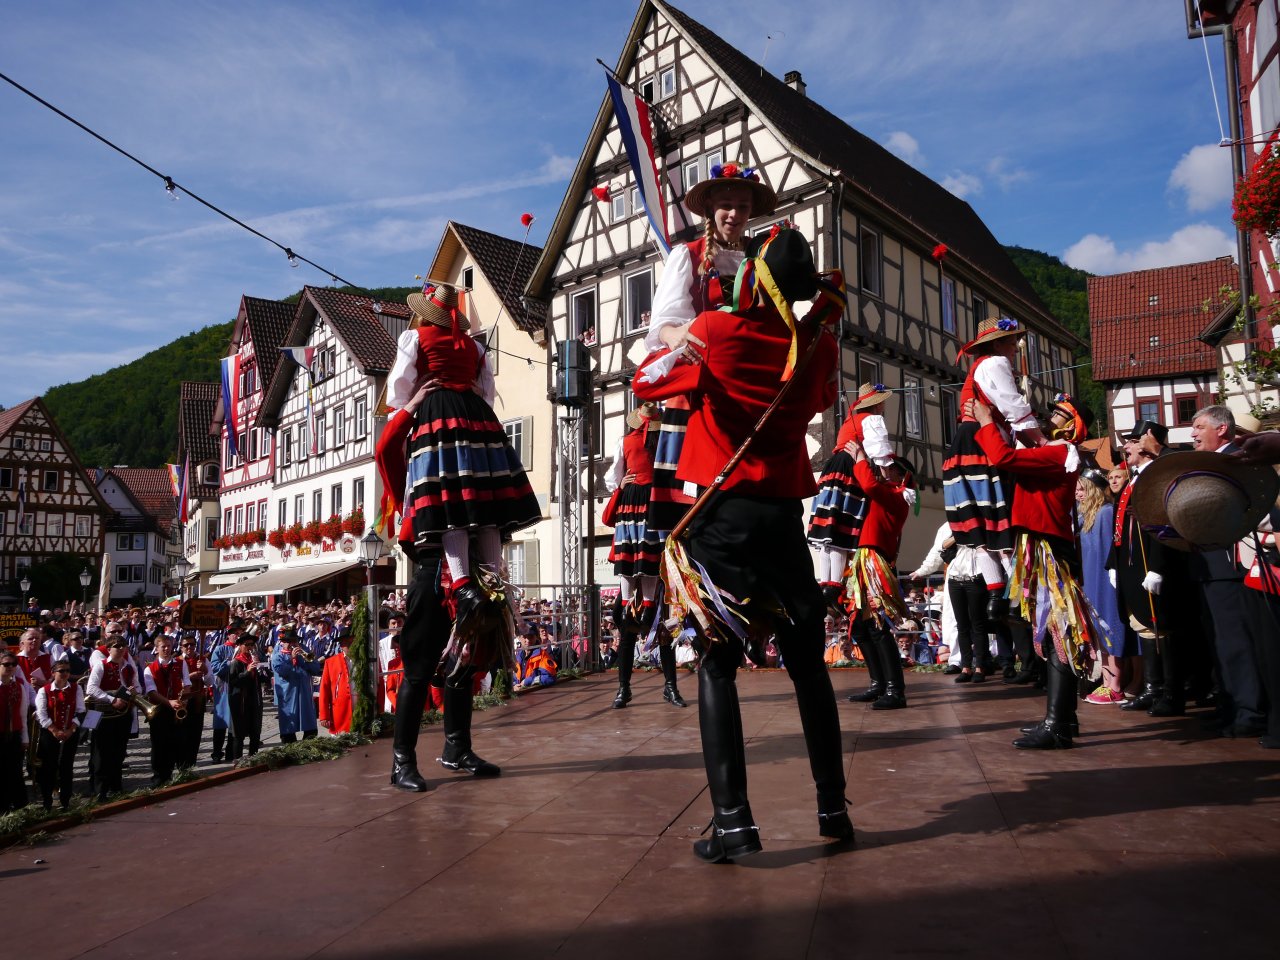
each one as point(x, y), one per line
point(978, 497)
point(634, 553)
point(668, 502)
point(839, 507)
point(463, 472)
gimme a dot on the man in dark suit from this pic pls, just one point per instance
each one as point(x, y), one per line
point(1220, 577)
point(1151, 581)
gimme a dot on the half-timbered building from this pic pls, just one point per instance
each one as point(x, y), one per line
point(494, 271)
point(49, 505)
point(324, 418)
point(1145, 331)
point(198, 448)
point(248, 467)
point(138, 533)
point(920, 265)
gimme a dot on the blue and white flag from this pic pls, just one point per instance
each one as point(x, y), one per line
point(637, 136)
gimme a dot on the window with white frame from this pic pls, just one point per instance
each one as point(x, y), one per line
point(639, 299)
point(513, 554)
point(335, 499)
point(667, 83)
point(950, 414)
point(340, 425)
point(282, 514)
point(469, 278)
point(124, 541)
point(713, 159)
point(322, 433)
point(979, 312)
point(239, 522)
point(360, 418)
point(911, 406)
point(46, 445)
point(18, 443)
point(584, 316)
point(636, 206)
point(286, 446)
point(647, 89)
point(251, 516)
point(317, 505)
point(299, 504)
point(869, 266)
point(304, 443)
point(515, 433)
point(253, 444)
point(210, 532)
point(50, 481)
point(692, 174)
point(618, 207)
point(868, 370)
point(53, 525)
point(357, 493)
point(84, 526)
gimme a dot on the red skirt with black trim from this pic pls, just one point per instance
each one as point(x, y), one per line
point(634, 553)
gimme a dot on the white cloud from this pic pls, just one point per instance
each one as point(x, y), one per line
point(962, 184)
point(906, 146)
point(1204, 176)
point(1005, 176)
point(1099, 254)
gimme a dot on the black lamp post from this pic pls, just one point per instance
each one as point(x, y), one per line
point(86, 575)
point(371, 547)
point(25, 585)
point(182, 569)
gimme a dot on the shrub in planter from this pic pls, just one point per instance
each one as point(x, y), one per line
point(354, 523)
point(276, 538)
point(293, 536)
point(1256, 204)
point(311, 532)
point(332, 528)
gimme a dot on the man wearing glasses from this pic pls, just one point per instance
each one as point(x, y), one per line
point(14, 699)
point(59, 709)
point(111, 738)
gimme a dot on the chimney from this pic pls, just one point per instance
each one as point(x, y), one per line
point(795, 82)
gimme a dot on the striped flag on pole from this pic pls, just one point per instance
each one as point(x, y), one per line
point(22, 501)
point(183, 497)
point(637, 136)
point(175, 479)
point(231, 400)
point(303, 356)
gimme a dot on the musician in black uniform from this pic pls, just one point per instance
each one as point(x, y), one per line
point(59, 710)
point(109, 676)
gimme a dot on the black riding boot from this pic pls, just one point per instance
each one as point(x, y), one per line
point(410, 701)
point(895, 688)
point(1152, 678)
point(820, 721)
point(1032, 669)
point(871, 657)
point(734, 832)
point(626, 662)
point(670, 693)
point(1055, 731)
point(458, 706)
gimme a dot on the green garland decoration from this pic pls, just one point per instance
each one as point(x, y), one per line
point(365, 709)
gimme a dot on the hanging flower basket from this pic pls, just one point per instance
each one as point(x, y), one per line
point(276, 538)
point(311, 532)
point(354, 523)
point(221, 543)
point(1256, 205)
point(331, 529)
point(293, 536)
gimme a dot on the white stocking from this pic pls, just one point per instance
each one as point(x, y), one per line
point(988, 564)
point(648, 587)
point(489, 546)
point(457, 553)
point(625, 589)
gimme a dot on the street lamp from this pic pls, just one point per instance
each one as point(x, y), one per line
point(371, 547)
point(25, 584)
point(182, 568)
point(86, 575)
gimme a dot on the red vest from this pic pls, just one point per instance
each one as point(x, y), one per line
point(167, 677)
point(196, 668)
point(115, 676)
point(1121, 511)
point(61, 705)
point(31, 664)
point(851, 429)
point(706, 290)
point(11, 718)
point(455, 365)
point(636, 455)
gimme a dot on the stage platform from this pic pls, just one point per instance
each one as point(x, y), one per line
point(1152, 837)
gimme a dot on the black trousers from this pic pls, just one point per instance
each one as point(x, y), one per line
point(755, 548)
point(1263, 610)
point(969, 603)
point(166, 744)
point(110, 743)
point(13, 757)
point(422, 641)
point(57, 765)
point(190, 735)
point(1236, 638)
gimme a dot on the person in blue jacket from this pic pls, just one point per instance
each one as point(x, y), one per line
point(222, 648)
point(295, 706)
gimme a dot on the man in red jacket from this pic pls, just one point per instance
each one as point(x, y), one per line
point(873, 591)
point(749, 536)
point(1046, 560)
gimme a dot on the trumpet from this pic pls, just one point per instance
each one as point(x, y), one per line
point(145, 706)
point(300, 651)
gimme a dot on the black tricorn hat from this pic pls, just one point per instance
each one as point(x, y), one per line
point(1157, 430)
point(789, 258)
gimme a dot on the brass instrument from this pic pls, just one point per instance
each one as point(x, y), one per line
point(300, 651)
point(109, 712)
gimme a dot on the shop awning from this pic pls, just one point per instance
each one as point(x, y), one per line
point(278, 581)
point(221, 579)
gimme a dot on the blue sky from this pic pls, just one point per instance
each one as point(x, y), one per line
point(352, 132)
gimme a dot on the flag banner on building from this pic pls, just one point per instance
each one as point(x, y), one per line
point(231, 401)
point(22, 501)
point(175, 479)
point(637, 136)
point(303, 357)
point(183, 497)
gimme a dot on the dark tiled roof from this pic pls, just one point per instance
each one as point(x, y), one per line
point(196, 405)
point(362, 330)
point(1128, 310)
point(11, 416)
point(884, 178)
point(151, 491)
point(269, 321)
point(507, 264)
